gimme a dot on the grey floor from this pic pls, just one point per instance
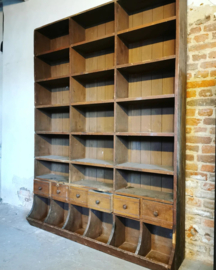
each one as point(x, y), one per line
point(23, 247)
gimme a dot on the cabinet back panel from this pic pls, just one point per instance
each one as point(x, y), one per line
point(99, 30)
point(98, 91)
point(60, 70)
point(59, 42)
point(132, 230)
point(99, 60)
point(60, 95)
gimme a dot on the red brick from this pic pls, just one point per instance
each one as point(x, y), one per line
point(191, 167)
point(201, 102)
point(208, 223)
point(201, 38)
point(198, 57)
point(205, 112)
point(208, 168)
point(212, 55)
point(208, 149)
point(189, 192)
point(189, 40)
point(214, 35)
point(189, 76)
point(193, 121)
point(195, 30)
point(213, 73)
point(208, 204)
point(193, 148)
point(200, 129)
point(193, 66)
point(210, 64)
point(204, 20)
point(188, 130)
point(191, 94)
point(205, 93)
point(206, 158)
point(208, 186)
point(210, 27)
point(198, 139)
point(198, 84)
point(212, 130)
point(201, 74)
point(197, 175)
point(209, 121)
point(190, 112)
point(194, 202)
point(190, 157)
point(200, 47)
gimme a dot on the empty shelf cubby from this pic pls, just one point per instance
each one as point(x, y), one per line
point(55, 147)
point(54, 171)
point(100, 226)
point(58, 214)
point(147, 154)
point(96, 150)
point(52, 119)
point(40, 208)
point(52, 92)
point(137, 13)
point(96, 87)
point(141, 184)
point(93, 24)
point(92, 177)
point(146, 116)
point(52, 65)
point(126, 234)
point(147, 44)
point(52, 37)
point(77, 219)
point(95, 118)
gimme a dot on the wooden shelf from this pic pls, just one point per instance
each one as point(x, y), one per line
point(85, 77)
point(93, 133)
point(53, 177)
point(53, 158)
point(90, 184)
point(54, 57)
point(93, 103)
point(147, 98)
point(93, 162)
point(51, 133)
point(147, 134)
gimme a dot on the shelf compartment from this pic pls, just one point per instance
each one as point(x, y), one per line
point(52, 119)
point(92, 149)
point(145, 154)
point(126, 234)
point(146, 116)
point(52, 147)
point(93, 24)
point(40, 208)
point(92, 177)
point(52, 37)
point(52, 92)
point(51, 65)
point(100, 226)
point(90, 88)
point(134, 14)
point(147, 80)
point(58, 214)
point(52, 171)
point(77, 219)
point(146, 44)
point(156, 243)
point(97, 118)
point(144, 185)
point(97, 60)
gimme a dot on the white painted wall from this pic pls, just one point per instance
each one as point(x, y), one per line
point(18, 90)
point(1, 87)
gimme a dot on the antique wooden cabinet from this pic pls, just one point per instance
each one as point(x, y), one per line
point(109, 130)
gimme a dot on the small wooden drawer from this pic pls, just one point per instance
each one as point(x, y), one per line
point(127, 206)
point(59, 192)
point(42, 188)
point(100, 201)
point(159, 214)
point(78, 196)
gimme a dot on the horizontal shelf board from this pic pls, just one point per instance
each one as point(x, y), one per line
point(159, 169)
point(149, 66)
point(94, 75)
point(99, 44)
point(90, 103)
point(53, 158)
point(52, 51)
point(146, 31)
point(52, 82)
point(53, 177)
point(158, 257)
point(61, 55)
point(147, 134)
point(137, 99)
point(147, 194)
point(137, 5)
point(93, 185)
point(127, 246)
point(93, 162)
point(52, 106)
point(52, 133)
point(93, 133)
point(54, 30)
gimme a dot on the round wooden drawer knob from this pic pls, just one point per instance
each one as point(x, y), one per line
point(125, 206)
point(40, 188)
point(58, 191)
point(97, 202)
point(156, 213)
point(78, 196)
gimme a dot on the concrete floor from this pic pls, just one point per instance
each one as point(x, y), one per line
point(24, 247)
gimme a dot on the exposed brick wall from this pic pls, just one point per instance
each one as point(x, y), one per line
point(200, 129)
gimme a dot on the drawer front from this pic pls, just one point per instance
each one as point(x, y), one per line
point(100, 201)
point(42, 188)
point(127, 206)
point(59, 192)
point(157, 213)
point(78, 196)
